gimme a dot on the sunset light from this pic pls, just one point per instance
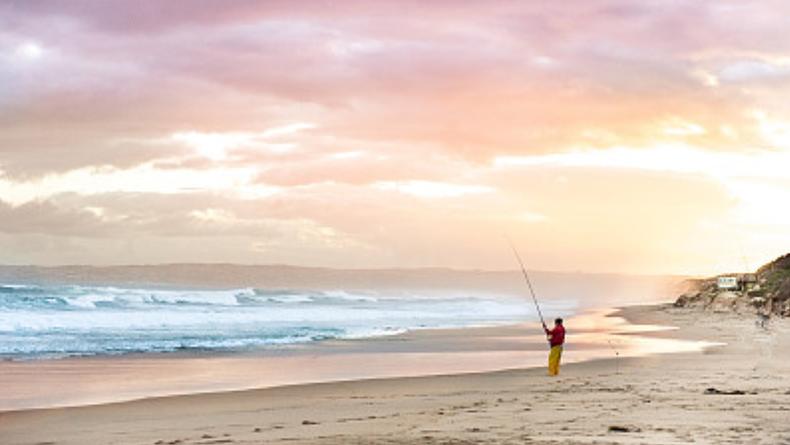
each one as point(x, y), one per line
point(390, 133)
point(396, 222)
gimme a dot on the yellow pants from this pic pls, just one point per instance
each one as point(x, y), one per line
point(554, 360)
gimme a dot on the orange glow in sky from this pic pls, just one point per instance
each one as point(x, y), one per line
point(604, 136)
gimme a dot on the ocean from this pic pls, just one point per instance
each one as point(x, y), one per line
point(47, 321)
point(79, 335)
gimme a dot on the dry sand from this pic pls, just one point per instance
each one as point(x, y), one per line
point(661, 399)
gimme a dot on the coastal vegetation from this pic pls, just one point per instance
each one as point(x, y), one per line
point(765, 292)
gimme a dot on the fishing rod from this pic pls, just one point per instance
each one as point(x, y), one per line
point(529, 283)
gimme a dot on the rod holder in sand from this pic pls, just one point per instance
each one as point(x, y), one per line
point(617, 357)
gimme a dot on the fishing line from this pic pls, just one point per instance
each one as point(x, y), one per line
point(526, 277)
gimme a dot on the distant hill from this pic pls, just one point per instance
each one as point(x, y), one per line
point(765, 292)
point(589, 289)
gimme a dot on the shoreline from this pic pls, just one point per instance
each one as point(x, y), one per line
point(99, 380)
point(657, 399)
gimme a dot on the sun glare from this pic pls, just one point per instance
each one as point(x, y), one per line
point(30, 51)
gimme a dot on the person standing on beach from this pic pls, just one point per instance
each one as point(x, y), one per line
point(556, 338)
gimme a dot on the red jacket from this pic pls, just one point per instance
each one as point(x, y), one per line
point(556, 335)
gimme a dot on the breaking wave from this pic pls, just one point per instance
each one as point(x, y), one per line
point(59, 321)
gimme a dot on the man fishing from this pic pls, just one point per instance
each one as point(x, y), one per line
point(556, 338)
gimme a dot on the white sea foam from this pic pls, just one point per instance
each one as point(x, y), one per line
point(41, 321)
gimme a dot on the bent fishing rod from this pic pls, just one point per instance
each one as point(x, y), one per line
point(529, 283)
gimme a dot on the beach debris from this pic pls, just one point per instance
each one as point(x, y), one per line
point(257, 430)
point(309, 422)
point(624, 429)
point(735, 392)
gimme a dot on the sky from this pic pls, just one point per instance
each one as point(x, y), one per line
point(600, 136)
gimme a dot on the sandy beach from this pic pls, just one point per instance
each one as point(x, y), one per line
point(735, 393)
point(355, 222)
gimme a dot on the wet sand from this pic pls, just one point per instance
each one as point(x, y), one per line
point(734, 393)
point(99, 380)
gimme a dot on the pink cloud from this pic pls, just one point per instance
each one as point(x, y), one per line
point(426, 92)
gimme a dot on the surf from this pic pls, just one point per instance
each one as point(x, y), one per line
point(50, 321)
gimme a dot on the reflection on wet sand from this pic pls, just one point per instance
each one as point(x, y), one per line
point(92, 380)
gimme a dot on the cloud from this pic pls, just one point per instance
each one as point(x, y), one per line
point(431, 189)
point(216, 145)
point(47, 218)
point(754, 70)
point(395, 129)
point(751, 185)
point(676, 158)
point(30, 51)
point(361, 74)
point(145, 178)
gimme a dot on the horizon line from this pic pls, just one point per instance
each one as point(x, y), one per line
point(358, 269)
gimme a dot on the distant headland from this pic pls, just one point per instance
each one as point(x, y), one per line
point(765, 292)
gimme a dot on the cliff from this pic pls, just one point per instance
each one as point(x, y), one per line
point(765, 292)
